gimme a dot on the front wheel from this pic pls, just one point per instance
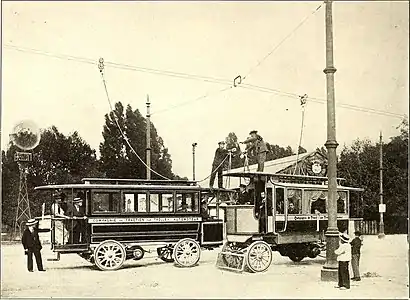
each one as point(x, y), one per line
point(259, 256)
point(187, 252)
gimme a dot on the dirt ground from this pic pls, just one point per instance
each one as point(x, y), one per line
point(151, 278)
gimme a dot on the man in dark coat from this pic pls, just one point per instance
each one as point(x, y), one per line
point(32, 245)
point(74, 224)
point(218, 164)
point(258, 145)
point(244, 197)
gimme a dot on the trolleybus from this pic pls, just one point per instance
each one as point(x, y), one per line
point(108, 221)
point(285, 213)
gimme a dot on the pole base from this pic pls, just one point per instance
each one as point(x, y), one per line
point(329, 275)
point(381, 235)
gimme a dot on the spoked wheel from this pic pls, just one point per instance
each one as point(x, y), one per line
point(231, 260)
point(109, 255)
point(165, 253)
point(187, 252)
point(259, 256)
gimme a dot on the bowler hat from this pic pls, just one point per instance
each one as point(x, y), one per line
point(253, 131)
point(357, 233)
point(31, 222)
point(344, 237)
point(221, 142)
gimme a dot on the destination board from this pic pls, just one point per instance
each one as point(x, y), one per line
point(308, 217)
point(143, 220)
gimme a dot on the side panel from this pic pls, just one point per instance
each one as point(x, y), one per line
point(240, 220)
point(157, 232)
point(212, 233)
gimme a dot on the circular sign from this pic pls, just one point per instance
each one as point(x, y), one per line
point(316, 168)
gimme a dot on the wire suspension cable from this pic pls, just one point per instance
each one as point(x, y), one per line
point(216, 169)
point(282, 41)
point(203, 78)
point(302, 103)
point(101, 66)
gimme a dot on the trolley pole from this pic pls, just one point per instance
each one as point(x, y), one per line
point(329, 271)
point(381, 208)
point(193, 160)
point(148, 139)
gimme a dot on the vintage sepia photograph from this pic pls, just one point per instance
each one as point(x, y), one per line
point(205, 149)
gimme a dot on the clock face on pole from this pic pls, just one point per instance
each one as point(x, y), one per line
point(316, 168)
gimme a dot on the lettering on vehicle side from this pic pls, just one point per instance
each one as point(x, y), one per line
point(306, 217)
point(143, 220)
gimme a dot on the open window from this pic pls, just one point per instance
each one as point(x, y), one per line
point(341, 202)
point(106, 202)
point(161, 202)
point(317, 201)
point(187, 202)
point(280, 200)
point(294, 201)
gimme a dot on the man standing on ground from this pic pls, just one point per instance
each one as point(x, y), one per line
point(218, 164)
point(356, 245)
point(32, 245)
point(258, 145)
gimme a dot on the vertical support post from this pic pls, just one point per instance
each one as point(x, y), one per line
point(148, 139)
point(193, 160)
point(381, 229)
point(329, 271)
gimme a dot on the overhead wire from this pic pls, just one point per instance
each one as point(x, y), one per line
point(203, 78)
point(119, 127)
point(282, 41)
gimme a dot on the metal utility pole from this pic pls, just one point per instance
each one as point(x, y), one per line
point(148, 140)
point(193, 160)
point(382, 208)
point(330, 269)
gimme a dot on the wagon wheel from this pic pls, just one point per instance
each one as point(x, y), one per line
point(109, 255)
point(259, 256)
point(187, 252)
point(232, 261)
point(165, 253)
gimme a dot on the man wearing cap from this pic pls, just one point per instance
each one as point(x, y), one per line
point(244, 196)
point(218, 164)
point(356, 245)
point(32, 245)
point(258, 145)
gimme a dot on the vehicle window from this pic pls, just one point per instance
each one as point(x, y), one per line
point(142, 203)
point(167, 202)
point(280, 200)
point(341, 202)
point(154, 202)
point(317, 201)
point(187, 202)
point(106, 201)
point(129, 203)
point(294, 201)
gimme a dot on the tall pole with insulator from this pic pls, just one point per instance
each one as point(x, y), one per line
point(193, 160)
point(381, 207)
point(148, 139)
point(329, 271)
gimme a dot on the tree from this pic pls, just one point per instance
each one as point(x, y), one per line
point(123, 154)
point(56, 160)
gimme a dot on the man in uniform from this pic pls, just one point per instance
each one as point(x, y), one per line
point(244, 196)
point(32, 245)
point(218, 163)
point(258, 145)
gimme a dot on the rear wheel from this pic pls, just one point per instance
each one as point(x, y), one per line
point(296, 257)
point(187, 252)
point(165, 253)
point(259, 256)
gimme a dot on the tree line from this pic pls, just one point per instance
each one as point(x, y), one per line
point(60, 159)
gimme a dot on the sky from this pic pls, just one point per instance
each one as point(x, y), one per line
point(275, 45)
